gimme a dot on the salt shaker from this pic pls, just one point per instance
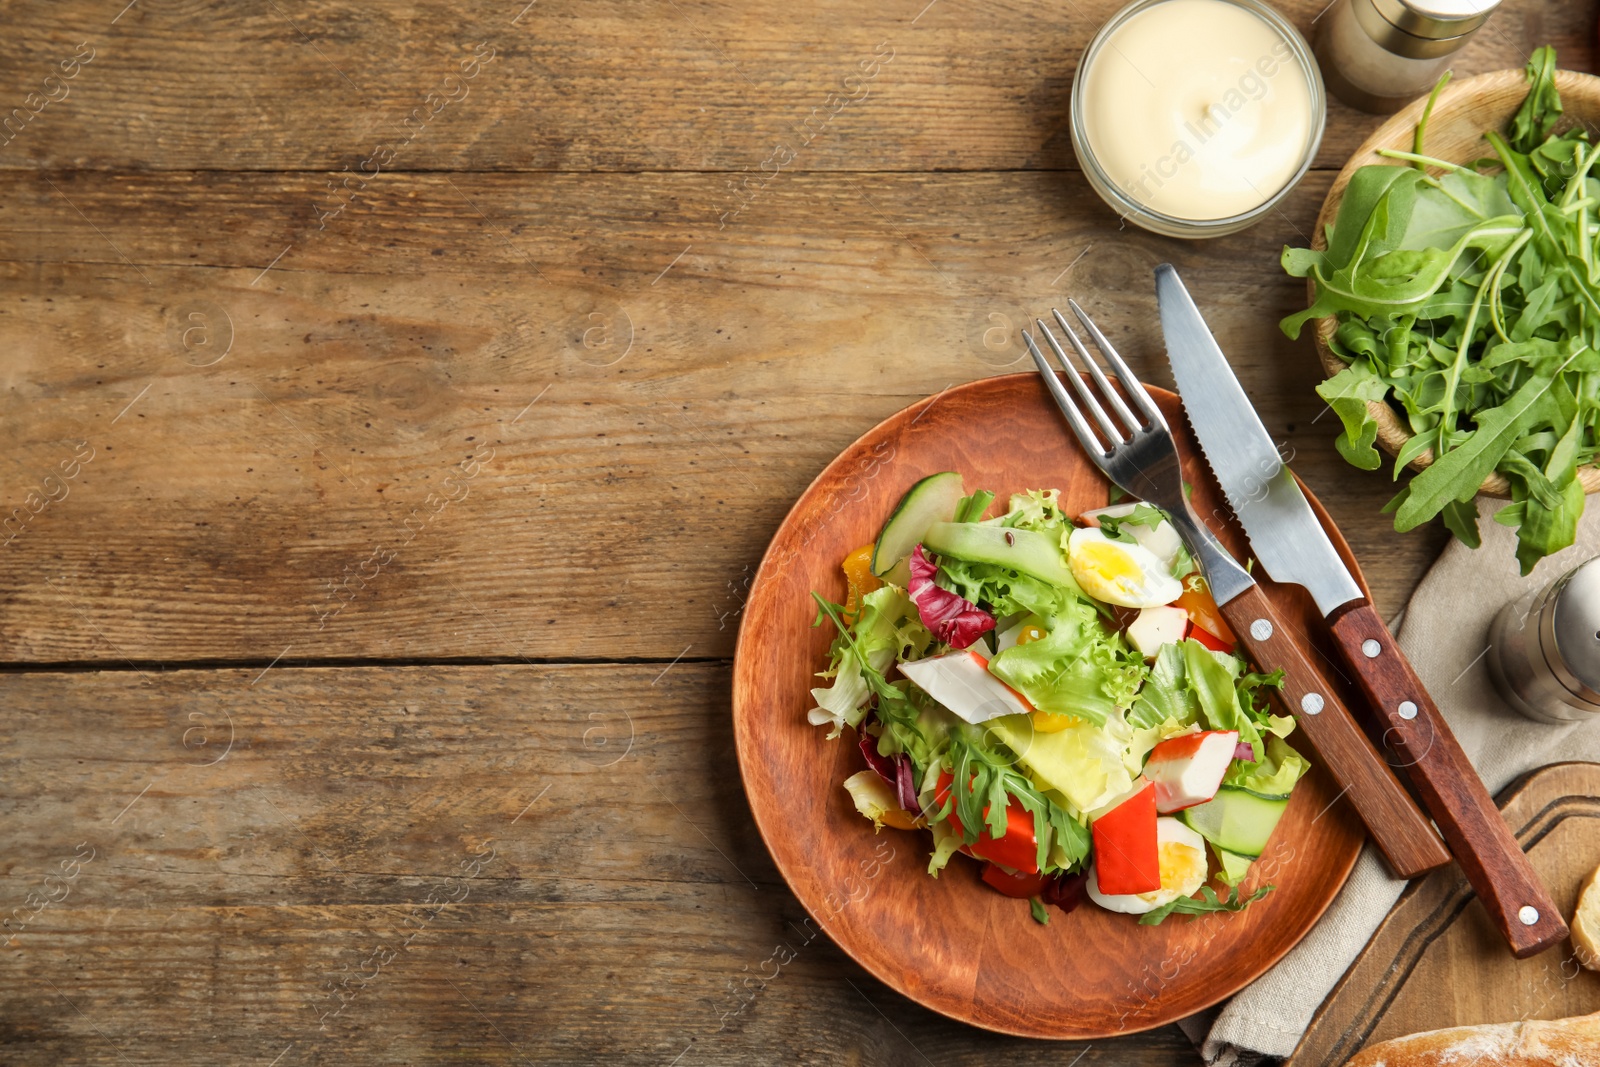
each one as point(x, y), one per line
point(1378, 55)
point(1544, 650)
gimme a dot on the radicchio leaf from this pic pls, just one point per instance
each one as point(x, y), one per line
point(905, 785)
point(953, 620)
point(896, 770)
point(1065, 891)
point(1246, 751)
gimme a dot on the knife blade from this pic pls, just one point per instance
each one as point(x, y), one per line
point(1292, 546)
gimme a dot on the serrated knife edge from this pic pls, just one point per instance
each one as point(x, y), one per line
point(1285, 535)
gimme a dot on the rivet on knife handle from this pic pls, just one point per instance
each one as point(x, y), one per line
point(1399, 829)
point(1432, 759)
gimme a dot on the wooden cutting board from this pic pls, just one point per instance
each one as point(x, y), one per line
point(1437, 961)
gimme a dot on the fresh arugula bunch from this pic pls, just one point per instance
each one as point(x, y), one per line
point(1471, 302)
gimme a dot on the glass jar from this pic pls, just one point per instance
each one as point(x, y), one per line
point(1124, 196)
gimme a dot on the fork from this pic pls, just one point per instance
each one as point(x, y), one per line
point(1136, 450)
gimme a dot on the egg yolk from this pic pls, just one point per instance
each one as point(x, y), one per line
point(1179, 864)
point(1107, 562)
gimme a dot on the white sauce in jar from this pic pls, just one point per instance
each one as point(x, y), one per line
point(1198, 109)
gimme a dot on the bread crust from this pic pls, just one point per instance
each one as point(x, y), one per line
point(1586, 923)
point(1573, 1042)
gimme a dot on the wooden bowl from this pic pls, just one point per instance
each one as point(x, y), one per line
point(1455, 132)
point(952, 943)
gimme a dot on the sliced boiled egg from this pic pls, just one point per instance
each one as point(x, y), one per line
point(1116, 572)
point(1161, 539)
point(1182, 855)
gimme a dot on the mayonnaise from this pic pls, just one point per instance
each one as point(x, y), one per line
point(1197, 109)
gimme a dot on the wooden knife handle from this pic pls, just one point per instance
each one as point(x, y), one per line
point(1450, 788)
point(1400, 830)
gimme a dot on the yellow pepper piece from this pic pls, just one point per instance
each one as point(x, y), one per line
point(1046, 723)
point(857, 568)
point(900, 820)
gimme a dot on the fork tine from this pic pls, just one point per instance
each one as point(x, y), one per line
point(1052, 382)
point(1129, 380)
point(1129, 419)
point(1114, 436)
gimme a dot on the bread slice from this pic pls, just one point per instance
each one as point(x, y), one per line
point(1571, 1042)
point(1586, 923)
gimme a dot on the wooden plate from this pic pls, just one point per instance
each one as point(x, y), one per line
point(1455, 133)
point(952, 943)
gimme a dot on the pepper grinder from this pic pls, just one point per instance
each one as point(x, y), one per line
point(1379, 55)
point(1544, 649)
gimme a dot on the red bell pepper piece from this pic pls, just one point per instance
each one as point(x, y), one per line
point(1017, 849)
point(1210, 640)
point(1125, 856)
point(1014, 884)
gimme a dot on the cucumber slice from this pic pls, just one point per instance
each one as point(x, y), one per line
point(933, 499)
point(1031, 552)
point(1236, 820)
point(1234, 866)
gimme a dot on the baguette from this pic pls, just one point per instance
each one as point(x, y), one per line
point(1571, 1042)
point(1586, 923)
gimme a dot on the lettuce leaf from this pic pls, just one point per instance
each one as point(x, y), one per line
point(886, 629)
point(1167, 694)
point(1213, 675)
point(1004, 590)
point(1077, 669)
point(1083, 763)
point(1036, 509)
point(1274, 775)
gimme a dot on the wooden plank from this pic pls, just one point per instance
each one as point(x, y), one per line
point(356, 471)
point(1437, 960)
point(708, 85)
point(205, 902)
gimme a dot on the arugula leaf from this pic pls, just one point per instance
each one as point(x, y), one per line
point(1036, 907)
point(1207, 902)
point(1347, 393)
point(1461, 519)
point(985, 779)
point(1459, 472)
point(1541, 109)
point(1467, 297)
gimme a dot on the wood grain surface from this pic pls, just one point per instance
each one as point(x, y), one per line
point(1437, 961)
point(417, 401)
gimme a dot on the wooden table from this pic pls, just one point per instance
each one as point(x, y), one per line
point(397, 400)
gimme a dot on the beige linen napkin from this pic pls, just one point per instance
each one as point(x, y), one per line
point(1445, 634)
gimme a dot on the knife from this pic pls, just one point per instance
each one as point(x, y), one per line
point(1292, 546)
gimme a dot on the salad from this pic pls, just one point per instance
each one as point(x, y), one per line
point(1056, 698)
